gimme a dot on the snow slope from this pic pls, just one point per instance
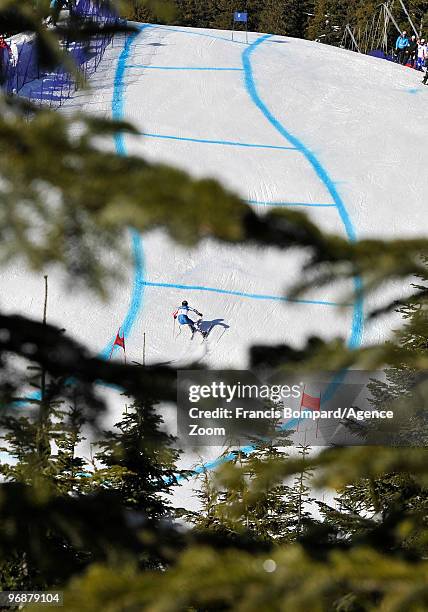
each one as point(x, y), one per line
point(283, 122)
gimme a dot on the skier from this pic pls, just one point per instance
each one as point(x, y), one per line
point(182, 314)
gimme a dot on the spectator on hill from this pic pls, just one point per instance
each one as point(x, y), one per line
point(422, 54)
point(412, 51)
point(56, 8)
point(5, 56)
point(425, 81)
point(401, 47)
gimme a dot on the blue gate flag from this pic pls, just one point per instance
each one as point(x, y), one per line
point(240, 17)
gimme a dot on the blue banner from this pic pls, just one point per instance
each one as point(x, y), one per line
point(240, 17)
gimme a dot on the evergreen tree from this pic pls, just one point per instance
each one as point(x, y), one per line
point(194, 13)
point(369, 503)
point(286, 17)
point(43, 443)
point(205, 518)
point(273, 17)
point(231, 502)
point(300, 493)
point(138, 461)
point(330, 19)
point(222, 15)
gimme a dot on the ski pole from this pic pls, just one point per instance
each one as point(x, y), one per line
point(221, 336)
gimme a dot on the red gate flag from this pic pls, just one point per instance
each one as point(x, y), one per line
point(309, 402)
point(120, 341)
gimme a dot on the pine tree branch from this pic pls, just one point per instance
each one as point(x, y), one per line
point(77, 371)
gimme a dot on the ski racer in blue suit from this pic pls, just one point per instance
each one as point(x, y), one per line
point(182, 314)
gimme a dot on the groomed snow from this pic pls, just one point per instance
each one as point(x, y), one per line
point(283, 122)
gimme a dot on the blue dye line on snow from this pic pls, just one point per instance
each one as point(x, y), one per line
point(212, 465)
point(137, 294)
point(358, 316)
point(137, 248)
point(117, 105)
point(413, 91)
point(320, 171)
point(196, 68)
point(118, 101)
point(226, 143)
point(252, 296)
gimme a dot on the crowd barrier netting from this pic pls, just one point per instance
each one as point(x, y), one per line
point(23, 74)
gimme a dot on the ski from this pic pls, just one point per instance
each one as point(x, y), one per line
point(206, 334)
